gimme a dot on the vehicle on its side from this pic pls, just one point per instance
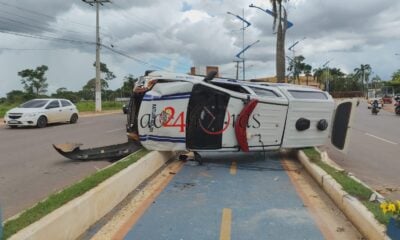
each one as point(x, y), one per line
point(179, 112)
point(371, 100)
point(40, 112)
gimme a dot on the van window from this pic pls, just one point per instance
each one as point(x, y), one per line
point(262, 92)
point(232, 87)
point(307, 94)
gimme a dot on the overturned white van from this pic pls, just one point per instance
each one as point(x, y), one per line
point(177, 112)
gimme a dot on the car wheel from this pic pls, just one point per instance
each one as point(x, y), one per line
point(41, 122)
point(12, 126)
point(74, 118)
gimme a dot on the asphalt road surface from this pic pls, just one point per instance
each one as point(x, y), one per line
point(231, 196)
point(30, 169)
point(374, 150)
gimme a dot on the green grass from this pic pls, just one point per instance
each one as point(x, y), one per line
point(5, 107)
point(349, 185)
point(58, 199)
point(89, 106)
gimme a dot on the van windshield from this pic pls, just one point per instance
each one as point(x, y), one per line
point(34, 104)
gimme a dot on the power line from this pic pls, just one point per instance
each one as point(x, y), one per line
point(32, 49)
point(47, 37)
point(41, 14)
point(133, 58)
point(37, 21)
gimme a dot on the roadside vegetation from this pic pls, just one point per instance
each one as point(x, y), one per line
point(34, 83)
point(83, 106)
point(349, 185)
point(58, 199)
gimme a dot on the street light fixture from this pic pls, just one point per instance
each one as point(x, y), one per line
point(244, 49)
point(291, 48)
point(241, 18)
point(244, 21)
point(243, 59)
point(288, 23)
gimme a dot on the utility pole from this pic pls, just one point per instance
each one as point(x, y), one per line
point(237, 68)
point(244, 68)
point(98, 83)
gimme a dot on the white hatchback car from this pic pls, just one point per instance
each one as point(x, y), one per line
point(40, 112)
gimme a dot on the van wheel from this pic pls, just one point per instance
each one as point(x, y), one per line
point(74, 118)
point(41, 122)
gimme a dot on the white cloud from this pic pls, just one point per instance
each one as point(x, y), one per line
point(175, 35)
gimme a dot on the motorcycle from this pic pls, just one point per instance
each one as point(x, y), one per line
point(375, 108)
point(397, 106)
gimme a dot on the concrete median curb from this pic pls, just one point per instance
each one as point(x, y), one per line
point(355, 211)
point(74, 218)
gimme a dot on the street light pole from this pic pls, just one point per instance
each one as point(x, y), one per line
point(325, 65)
point(244, 21)
point(291, 48)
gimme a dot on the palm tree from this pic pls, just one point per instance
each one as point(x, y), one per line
point(318, 72)
point(363, 72)
point(280, 16)
point(307, 71)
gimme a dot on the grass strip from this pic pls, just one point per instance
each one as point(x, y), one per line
point(349, 185)
point(58, 199)
point(90, 106)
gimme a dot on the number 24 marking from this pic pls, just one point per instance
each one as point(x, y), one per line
point(179, 121)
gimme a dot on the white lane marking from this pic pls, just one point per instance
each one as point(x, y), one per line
point(115, 130)
point(382, 139)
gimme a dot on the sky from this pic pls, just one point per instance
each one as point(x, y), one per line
point(174, 35)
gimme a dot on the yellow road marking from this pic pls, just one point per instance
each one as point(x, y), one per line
point(233, 169)
point(225, 233)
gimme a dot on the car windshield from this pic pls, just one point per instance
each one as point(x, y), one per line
point(34, 104)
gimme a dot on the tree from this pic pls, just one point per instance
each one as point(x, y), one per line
point(89, 88)
point(297, 67)
point(17, 96)
point(396, 76)
point(104, 69)
point(363, 72)
point(63, 92)
point(395, 82)
point(307, 71)
point(280, 15)
point(318, 72)
point(34, 81)
point(128, 85)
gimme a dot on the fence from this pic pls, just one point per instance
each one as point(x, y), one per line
point(349, 94)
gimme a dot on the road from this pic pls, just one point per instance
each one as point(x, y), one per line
point(231, 196)
point(30, 169)
point(373, 154)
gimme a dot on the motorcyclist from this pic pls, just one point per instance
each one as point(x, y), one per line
point(375, 107)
